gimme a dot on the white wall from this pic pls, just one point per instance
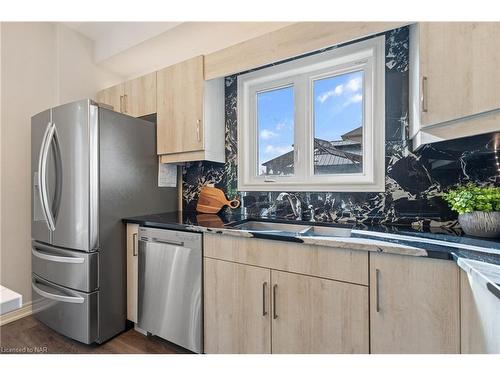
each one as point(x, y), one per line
point(78, 76)
point(42, 65)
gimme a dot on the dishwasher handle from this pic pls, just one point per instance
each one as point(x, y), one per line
point(166, 242)
point(180, 239)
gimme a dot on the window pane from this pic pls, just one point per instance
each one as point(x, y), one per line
point(338, 124)
point(275, 126)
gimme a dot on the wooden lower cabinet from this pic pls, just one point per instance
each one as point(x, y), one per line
point(237, 308)
point(132, 271)
point(414, 305)
point(259, 298)
point(314, 315)
point(244, 304)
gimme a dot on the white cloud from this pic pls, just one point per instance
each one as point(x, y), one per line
point(338, 90)
point(356, 98)
point(267, 134)
point(280, 125)
point(353, 86)
point(277, 150)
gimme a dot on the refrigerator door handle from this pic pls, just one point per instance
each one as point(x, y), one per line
point(56, 297)
point(41, 192)
point(55, 258)
point(42, 175)
point(59, 178)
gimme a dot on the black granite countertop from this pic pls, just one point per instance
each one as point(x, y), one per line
point(433, 242)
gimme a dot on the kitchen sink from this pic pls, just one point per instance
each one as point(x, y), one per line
point(266, 226)
point(324, 231)
point(298, 229)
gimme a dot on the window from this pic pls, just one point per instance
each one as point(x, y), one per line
point(275, 136)
point(315, 123)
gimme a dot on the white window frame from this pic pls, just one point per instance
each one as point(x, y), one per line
point(368, 56)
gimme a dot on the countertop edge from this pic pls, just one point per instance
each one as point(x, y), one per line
point(357, 242)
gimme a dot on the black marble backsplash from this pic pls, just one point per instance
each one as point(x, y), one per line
point(415, 181)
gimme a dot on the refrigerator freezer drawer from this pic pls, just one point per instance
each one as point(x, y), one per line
point(71, 313)
point(72, 269)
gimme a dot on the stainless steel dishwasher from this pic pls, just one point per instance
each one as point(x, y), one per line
point(170, 286)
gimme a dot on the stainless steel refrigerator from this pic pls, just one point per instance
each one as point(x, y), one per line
point(90, 167)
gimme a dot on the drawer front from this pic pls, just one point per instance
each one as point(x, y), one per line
point(72, 269)
point(71, 313)
point(321, 261)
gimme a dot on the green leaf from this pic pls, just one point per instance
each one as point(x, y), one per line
point(470, 197)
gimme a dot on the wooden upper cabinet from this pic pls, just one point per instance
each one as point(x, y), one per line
point(286, 42)
point(414, 305)
point(112, 96)
point(180, 107)
point(458, 64)
point(136, 97)
point(190, 114)
point(313, 315)
point(140, 96)
point(237, 308)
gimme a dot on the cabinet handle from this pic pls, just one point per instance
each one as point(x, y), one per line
point(377, 291)
point(424, 94)
point(275, 313)
point(125, 103)
point(198, 130)
point(264, 287)
point(121, 103)
point(134, 246)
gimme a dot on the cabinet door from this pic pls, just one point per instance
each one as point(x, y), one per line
point(314, 315)
point(459, 69)
point(180, 107)
point(237, 308)
point(140, 96)
point(112, 96)
point(132, 273)
point(414, 305)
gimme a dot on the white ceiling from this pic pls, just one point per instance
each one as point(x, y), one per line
point(111, 38)
point(131, 49)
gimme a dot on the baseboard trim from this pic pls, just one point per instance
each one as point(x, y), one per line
point(11, 316)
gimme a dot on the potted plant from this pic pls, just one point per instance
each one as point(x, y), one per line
point(478, 209)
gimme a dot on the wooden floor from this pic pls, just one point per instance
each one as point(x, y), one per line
point(27, 335)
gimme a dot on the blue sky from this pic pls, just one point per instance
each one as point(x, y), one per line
point(338, 105)
point(275, 120)
point(337, 110)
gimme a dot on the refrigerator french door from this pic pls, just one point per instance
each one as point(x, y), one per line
point(65, 176)
point(91, 167)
